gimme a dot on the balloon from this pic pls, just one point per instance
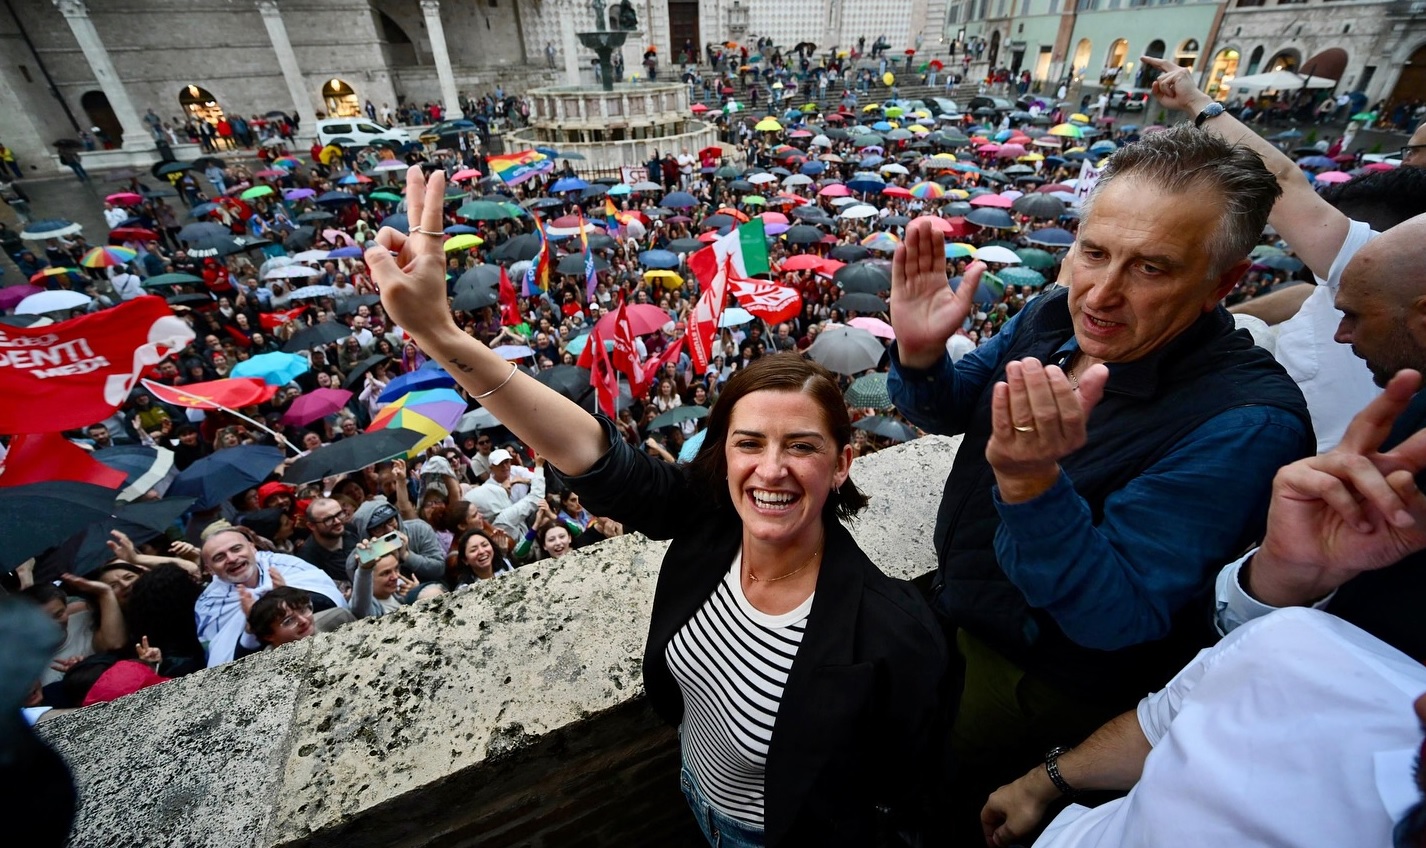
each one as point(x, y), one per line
point(888, 78)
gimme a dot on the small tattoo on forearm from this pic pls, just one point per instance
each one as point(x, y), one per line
point(466, 369)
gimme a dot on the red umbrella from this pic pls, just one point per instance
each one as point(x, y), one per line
point(119, 234)
point(710, 151)
point(1053, 187)
point(830, 267)
point(955, 227)
point(644, 318)
point(698, 108)
point(802, 262)
point(465, 174)
point(896, 191)
point(937, 64)
point(125, 198)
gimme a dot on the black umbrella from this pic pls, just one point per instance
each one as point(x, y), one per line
point(20, 320)
point(987, 216)
point(861, 302)
point(802, 234)
point(599, 241)
point(315, 216)
point(176, 279)
point(718, 221)
point(569, 380)
point(517, 249)
point(190, 299)
point(358, 372)
point(301, 238)
point(685, 245)
point(863, 277)
point(38, 516)
point(215, 245)
point(1039, 206)
point(481, 276)
point(741, 185)
point(573, 263)
point(316, 335)
point(350, 454)
point(352, 304)
point(335, 198)
point(849, 253)
point(218, 476)
point(811, 213)
point(887, 428)
point(472, 294)
point(140, 521)
point(163, 169)
point(203, 163)
point(193, 232)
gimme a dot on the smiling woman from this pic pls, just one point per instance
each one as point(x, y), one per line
point(806, 684)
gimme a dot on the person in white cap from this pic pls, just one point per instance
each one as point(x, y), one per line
point(497, 503)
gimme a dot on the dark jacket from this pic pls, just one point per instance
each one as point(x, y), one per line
point(1149, 407)
point(860, 722)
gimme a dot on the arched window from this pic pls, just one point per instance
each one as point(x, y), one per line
point(1255, 60)
point(1284, 60)
point(1187, 54)
point(1081, 55)
point(200, 103)
point(1147, 75)
point(1221, 74)
point(341, 99)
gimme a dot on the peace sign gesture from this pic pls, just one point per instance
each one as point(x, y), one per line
point(413, 282)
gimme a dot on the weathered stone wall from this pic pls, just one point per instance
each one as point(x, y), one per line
point(509, 714)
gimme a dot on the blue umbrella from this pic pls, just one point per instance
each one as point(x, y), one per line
point(415, 381)
point(691, 446)
point(679, 200)
point(201, 209)
point(620, 190)
point(866, 183)
point(275, 369)
point(398, 222)
point(49, 228)
point(881, 126)
point(217, 477)
point(569, 184)
point(335, 197)
point(870, 162)
point(659, 259)
point(345, 253)
point(813, 168)
point(548, 151)
point(461, 230)
point(1316, 162)
point(1053, 237)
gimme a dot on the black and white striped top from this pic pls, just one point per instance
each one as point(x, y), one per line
point(732, 661)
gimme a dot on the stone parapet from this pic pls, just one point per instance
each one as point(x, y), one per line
point(511, 713)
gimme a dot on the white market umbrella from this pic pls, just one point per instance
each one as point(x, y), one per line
point(1280, 81)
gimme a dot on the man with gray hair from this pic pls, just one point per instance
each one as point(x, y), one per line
point(1120, 437)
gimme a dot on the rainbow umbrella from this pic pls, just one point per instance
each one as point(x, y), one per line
point(958, 250)
point(287, 162)
point(74, 274)
point(1067, 131)
point(108, 256)
point(928, 190)
point(882, 241)
point(433, 413)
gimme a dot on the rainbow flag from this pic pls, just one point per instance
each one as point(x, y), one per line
point(515, 168)
point(591, 278)
point(611, 217)
point(537, 276)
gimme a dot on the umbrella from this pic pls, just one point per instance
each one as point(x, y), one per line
point(140, 521)
point(218, 476)
point(311, 291)
point(847, 350)
point(352, 304)
point(52, 301)
point(10, 296)
point(354, 377)
point(275, 369)
point(416, 381)
point(216, 245)
point(316, 335)
point(803, 234)
point(860, 302)
point(145, 468)
point(487, 210)
point(849, 253)
point(684, 245)
point(1039, 260)
point(573, 263)
point(869, 392)
point(996, 253)
point(734, 316)
point(315, 404)
point(189, 299)
point(476, 419)
point(863, 277)
point(1052, 237)
point(350, 454)
point(1039, 206)
point(513, 352)
point(1021, 277)
point(887, 428)
point(678, 200)
point(463, 242)
point(568, 184)
point(433, 413)
point(290, 272)
point(49, 229)
point(569, 380)
point(131, 234)
point(882, 241)
point(644, 318)
point(38, 516)
point(678, 415)
point(659, 259)
point(997, 219)
point(875, 326)
point(475, 296)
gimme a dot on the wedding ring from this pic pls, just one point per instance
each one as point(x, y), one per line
point(1020, 429)
point(414, 230)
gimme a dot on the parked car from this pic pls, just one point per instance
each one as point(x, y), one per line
point(1131, 100)
point(360, 131)
point(994, 104)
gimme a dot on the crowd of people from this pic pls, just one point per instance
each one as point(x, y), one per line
point(1123, 445)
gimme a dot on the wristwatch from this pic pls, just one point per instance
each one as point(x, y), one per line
point(1212, 110)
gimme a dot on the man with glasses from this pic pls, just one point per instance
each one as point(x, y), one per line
point(332, 539)
point(480, 461)
point(1413, 155)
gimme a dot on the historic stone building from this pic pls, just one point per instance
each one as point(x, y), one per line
point(67, 65)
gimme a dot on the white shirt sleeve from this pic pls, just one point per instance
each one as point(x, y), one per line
point(1234, 606)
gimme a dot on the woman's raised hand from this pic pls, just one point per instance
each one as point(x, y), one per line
point(412, 283)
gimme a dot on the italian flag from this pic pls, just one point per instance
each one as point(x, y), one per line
point(739, 255)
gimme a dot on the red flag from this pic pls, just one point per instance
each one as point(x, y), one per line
point(586, 356)
point(769, 301)
point(604, 378)
point(79, 371)
point(42, 457)
point(272, 320)
point(655, 364)
point(232, 393)
point(509, 306)
point(626, 352)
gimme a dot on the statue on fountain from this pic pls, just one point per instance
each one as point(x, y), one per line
point(600, 19)
point(627, 19)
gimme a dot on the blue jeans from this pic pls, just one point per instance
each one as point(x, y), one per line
point(720, 829)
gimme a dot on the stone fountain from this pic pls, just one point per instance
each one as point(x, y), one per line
point(605, 41)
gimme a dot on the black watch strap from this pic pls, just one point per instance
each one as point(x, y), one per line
point(1212, 110)
point(1052, 768)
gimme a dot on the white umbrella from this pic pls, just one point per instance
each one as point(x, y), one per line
point(847, 350)
point(313, 291)
point(796, 180)
point(843, 201)
point(760, 179)
point(41, 230)
point(893, 168)
point(1279, 81)
point(734, 316)
point(996, 253)
point(52, 301)
point(391, 165)
point(275, 262)
point(645, 185)
point(860, 210)
point(310, 256)
point(287, 272)
point(476, 419)
point(821, 141)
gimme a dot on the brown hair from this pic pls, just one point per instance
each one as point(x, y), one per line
point(273, 607)
point(779, 372)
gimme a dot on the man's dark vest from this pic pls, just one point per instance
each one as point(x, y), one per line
point(1149, 406)
point(1388, 603)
